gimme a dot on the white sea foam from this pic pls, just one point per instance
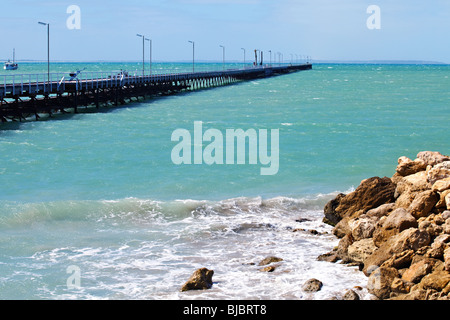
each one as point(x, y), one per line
point(142, 249)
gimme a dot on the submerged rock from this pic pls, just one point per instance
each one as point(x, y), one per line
point(350, 295)
point(312, 285)
point(269, 260)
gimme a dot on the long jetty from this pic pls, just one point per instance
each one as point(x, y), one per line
point(30, 96)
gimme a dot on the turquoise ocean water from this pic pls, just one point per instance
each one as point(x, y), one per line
point(99, 192)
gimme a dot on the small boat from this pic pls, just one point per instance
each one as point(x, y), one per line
point(11, 65)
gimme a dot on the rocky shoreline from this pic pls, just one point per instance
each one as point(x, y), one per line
point(397, 230)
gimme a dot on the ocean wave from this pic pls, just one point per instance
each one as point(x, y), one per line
point(13, 214)
point(145, 249)
point(146, 210)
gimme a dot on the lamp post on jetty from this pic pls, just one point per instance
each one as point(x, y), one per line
point(244, 56)
point(193, 55)
point(150, 41)
point(143, 53)
point(223, 63)
point(48, 48)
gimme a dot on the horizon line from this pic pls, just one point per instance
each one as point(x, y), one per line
point(316, 61)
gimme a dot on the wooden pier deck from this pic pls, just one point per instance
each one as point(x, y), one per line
point(30, 96)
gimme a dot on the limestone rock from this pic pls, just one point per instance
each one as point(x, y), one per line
point(371, 193)
point(360, 250)
point(438, 172)
point(442, 203)
point(407, 166)
point(312, 285)
point(399, 220)
point(362, 228)
point(269, 268)
point(399, 260)
point(380, 211)
point(269, 260)
point(342, 227)
point(329, 256)
point(432, 158)
point(441, 185)
point(409, 239)
point(398, 229)
point(446, 214)
point(350, 295)
point(437, 280)
point(417, 271)
point(380, 280)
point(331, 216)
point(447, 259)
point(342, 248)
point(423, 203)
point(443, 238)
point(201, 279)
point(408, 187)
point(400, 286)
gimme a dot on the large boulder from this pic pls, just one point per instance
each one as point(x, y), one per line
point(201, 279)
point(408, 187)
point(362, 227)
point(441, 185)
point(381, 211)
point(432, 158)
point(409, 239)
point(437, 280)
point(407, 166)
point(438, 172)
point(371, 193)
point(359, 251)
point(399, 220)
point(423, 203)
point(331, 216)
point(418, 270)
point(379, 283)
point(312, 285)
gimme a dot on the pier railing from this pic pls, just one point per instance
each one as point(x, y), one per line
point(57, 81)
point(26, 95)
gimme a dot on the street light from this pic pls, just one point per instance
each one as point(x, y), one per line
point(143, 53)
point(223, 64)
point(48, 48)
point(256, 58)
point(244, 56)
point(270, 62)
point(193, 55)
point(150, 41)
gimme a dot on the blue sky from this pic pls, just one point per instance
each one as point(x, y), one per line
point(323, 29)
